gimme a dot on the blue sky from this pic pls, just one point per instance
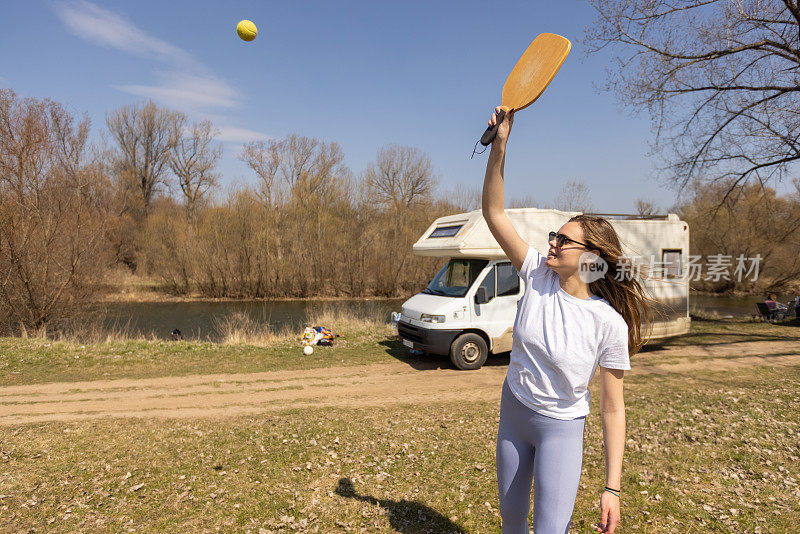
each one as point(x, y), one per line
point(363, 74)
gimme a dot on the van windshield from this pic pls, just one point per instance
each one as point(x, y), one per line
point(455, 278)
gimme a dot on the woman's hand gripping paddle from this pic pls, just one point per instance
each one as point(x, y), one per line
point(530, 77)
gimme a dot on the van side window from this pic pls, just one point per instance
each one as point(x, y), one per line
point(488, 283)
point(507, 279)
point(671, 261)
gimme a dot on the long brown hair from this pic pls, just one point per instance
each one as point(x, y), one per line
point(624, 292)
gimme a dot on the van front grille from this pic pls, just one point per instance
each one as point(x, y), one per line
point(409, 332)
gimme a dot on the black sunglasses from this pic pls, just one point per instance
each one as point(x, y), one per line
point(561, 239)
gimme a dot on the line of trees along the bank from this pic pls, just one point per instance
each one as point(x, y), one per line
point(71, 212)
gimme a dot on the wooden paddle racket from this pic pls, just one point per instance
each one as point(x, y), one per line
point(530, 77)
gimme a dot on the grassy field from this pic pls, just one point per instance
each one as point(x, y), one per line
point(706, 452)
point(33, 361)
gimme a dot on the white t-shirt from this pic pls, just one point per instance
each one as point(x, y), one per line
point(558, 341)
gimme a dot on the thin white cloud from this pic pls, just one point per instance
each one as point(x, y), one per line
point(188, 85)
point(232, 134)
point(91, 22)
point(187, 91)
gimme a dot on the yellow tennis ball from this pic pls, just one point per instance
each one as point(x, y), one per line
point(246, 30)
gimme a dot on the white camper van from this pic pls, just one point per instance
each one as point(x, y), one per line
point(468, 309)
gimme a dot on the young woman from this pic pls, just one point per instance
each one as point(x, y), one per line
point(566, 326)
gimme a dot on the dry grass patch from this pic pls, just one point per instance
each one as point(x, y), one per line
point(239, 328)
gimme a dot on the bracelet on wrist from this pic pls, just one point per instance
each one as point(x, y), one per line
point(611, 490)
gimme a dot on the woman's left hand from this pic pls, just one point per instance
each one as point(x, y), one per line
point(609, 513)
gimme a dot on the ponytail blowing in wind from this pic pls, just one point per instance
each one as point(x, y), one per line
point(625, 292)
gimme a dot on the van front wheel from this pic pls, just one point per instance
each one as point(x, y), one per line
point(469, 352)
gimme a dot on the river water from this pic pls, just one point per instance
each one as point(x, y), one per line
point(197, 320)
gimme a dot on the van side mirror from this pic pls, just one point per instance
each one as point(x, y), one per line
point(480, 296)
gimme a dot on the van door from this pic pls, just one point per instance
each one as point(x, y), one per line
point(496, 317)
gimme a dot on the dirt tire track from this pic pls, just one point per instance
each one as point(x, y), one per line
point(353, 386)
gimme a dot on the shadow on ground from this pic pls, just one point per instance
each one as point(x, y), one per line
point(701, 339)
point(430, 362)
point(404, 516)
point(705, 339)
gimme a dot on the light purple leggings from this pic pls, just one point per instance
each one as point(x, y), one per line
point(542, 449)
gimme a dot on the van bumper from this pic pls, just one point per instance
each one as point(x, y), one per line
point(433, 340)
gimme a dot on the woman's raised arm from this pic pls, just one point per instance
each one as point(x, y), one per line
point(492, 201)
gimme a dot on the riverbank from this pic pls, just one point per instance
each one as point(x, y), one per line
point(198, 318)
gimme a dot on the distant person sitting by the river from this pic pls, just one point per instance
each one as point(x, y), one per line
point(773, 304)
point(777, 311)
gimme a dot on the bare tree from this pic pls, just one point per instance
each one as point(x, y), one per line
point(645, 207)
point(51, 217)
point(400, 183)
point(313, 170)
point(752, 220)
point(145, 136)
point(307, 189)
point(526, 201)
point(574, 196)
point(264, 158)
point(297, 170)
point(719, 78)
point(400, 177)
point(462, 198)
point(193, 160)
